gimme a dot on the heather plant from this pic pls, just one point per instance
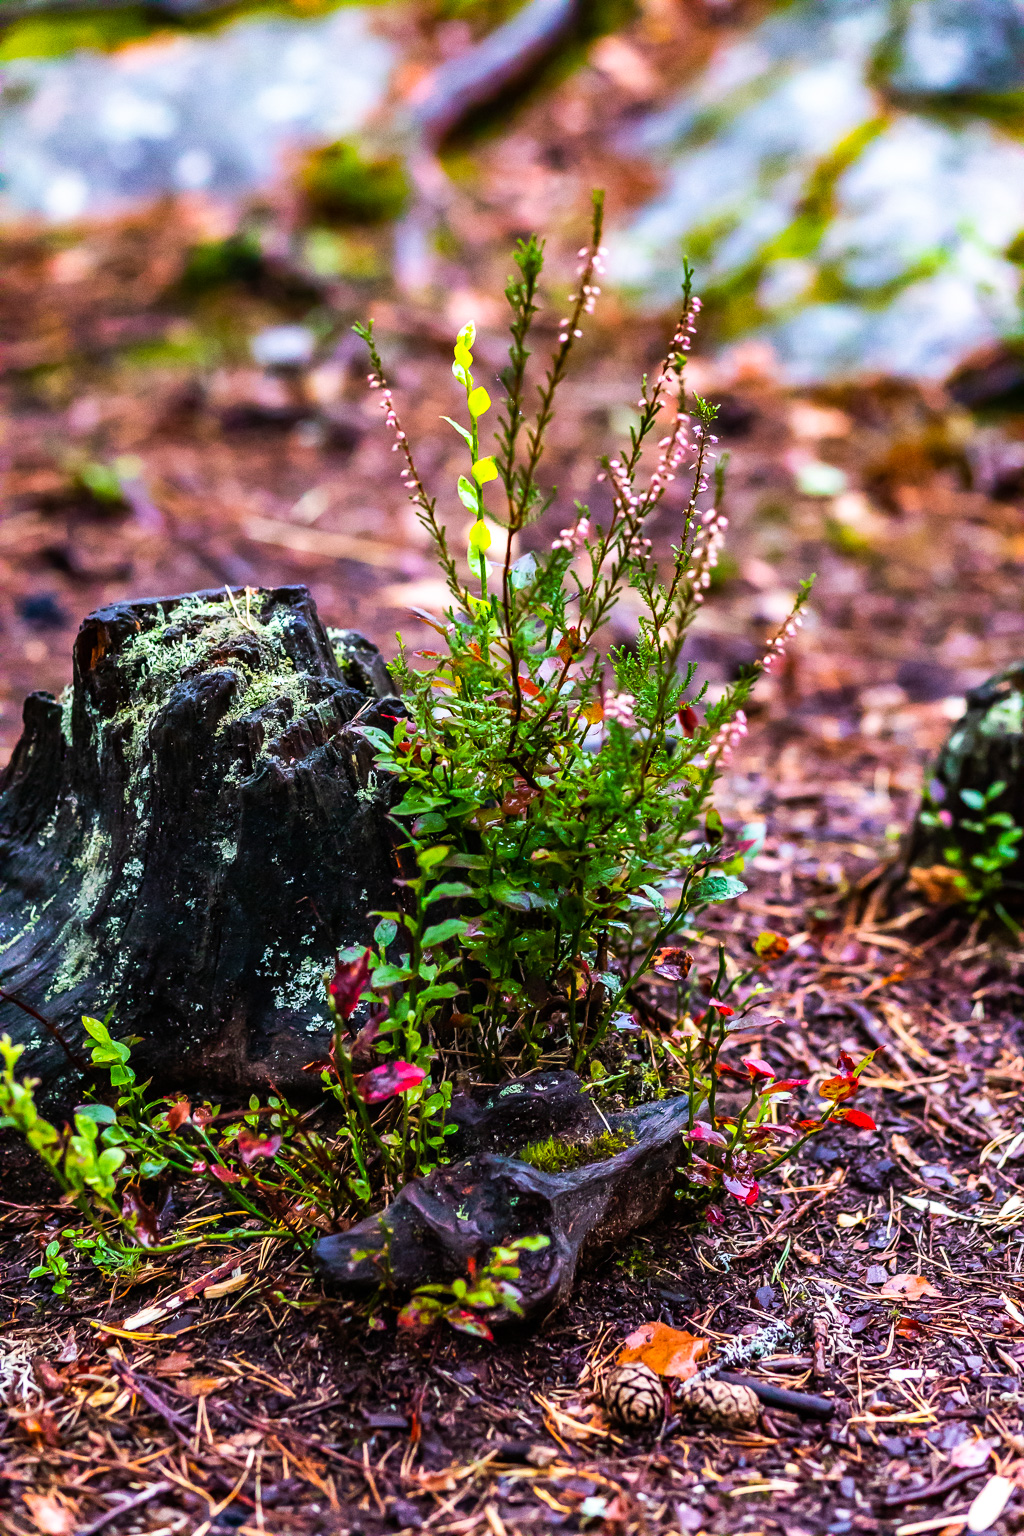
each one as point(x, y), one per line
point(560, 789)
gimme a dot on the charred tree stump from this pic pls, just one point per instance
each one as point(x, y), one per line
point(188, 837)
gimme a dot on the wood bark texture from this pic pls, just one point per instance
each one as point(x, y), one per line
point(189, 836)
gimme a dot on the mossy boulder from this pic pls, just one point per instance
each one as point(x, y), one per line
point(346, 186)
point(189, 835)
point(984, 750)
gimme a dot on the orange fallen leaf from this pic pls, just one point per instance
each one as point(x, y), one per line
point(912, 1287)
point(49, 1517)
point(669, 1351)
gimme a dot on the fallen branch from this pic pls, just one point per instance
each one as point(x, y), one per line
point(807, 1405)
point(124, 1507)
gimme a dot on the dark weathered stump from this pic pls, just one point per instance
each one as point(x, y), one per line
point(985, 747)
point(438, 1225)
point(188, 837)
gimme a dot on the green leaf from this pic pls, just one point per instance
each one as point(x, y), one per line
point(385, 932)
point(973, 798)
point(468, 494)
point(429, 858)
point(440, 933)
point(523, 571)
point(102, 1114)
point(657, 900)
point(439, 990)
point(389, 975)
point(446, 889)
point(459, 429)
point(519, 900)
point(716, 888)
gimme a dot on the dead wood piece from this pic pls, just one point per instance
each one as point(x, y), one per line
point(807, 1405)
point(438, 1225)
point(189, 836)
point(502, 60)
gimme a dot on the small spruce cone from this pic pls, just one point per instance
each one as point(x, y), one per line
point(634, 1395)
point(719, 1404)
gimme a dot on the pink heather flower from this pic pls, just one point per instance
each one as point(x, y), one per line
point(727, 738)
point(619, 707)
point(574, 538)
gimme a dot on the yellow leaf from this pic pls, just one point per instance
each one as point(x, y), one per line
point(484, 469)
point(480, 535)
point(479, 401)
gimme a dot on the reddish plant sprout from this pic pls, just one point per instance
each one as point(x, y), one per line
point(224, 1174)
point(178, 1115)
point(743, 1188)
point(758, 1069)
point(858, 1117)
point(348, 983)
point(386, 1081)
point(702, 1131)
point(251, 1146)
point(714, 1216)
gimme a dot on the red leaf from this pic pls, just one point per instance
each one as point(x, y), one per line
point(758, 1068)
point(528, 687)
point(177, 1115)
point(714, 1216)
point(703, 1131)
point(846, 1061)
point(199, 1166)
point(225, 1175)
point(518, 798)
point(744, 1190)
point(688, 719)
point(701, 1172)
point(142, 1216)
point(468, 1322)
point(723, 1009)
point(857, 1117)
point(810, 1125)
point(386, 1081)
point(251, 1146)
point(785, 1084)
point(347, 984)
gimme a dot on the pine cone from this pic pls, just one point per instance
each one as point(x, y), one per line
point(634, 1395)
point(719, 1404)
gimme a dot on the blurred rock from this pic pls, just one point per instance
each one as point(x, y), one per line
point(954, 49)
